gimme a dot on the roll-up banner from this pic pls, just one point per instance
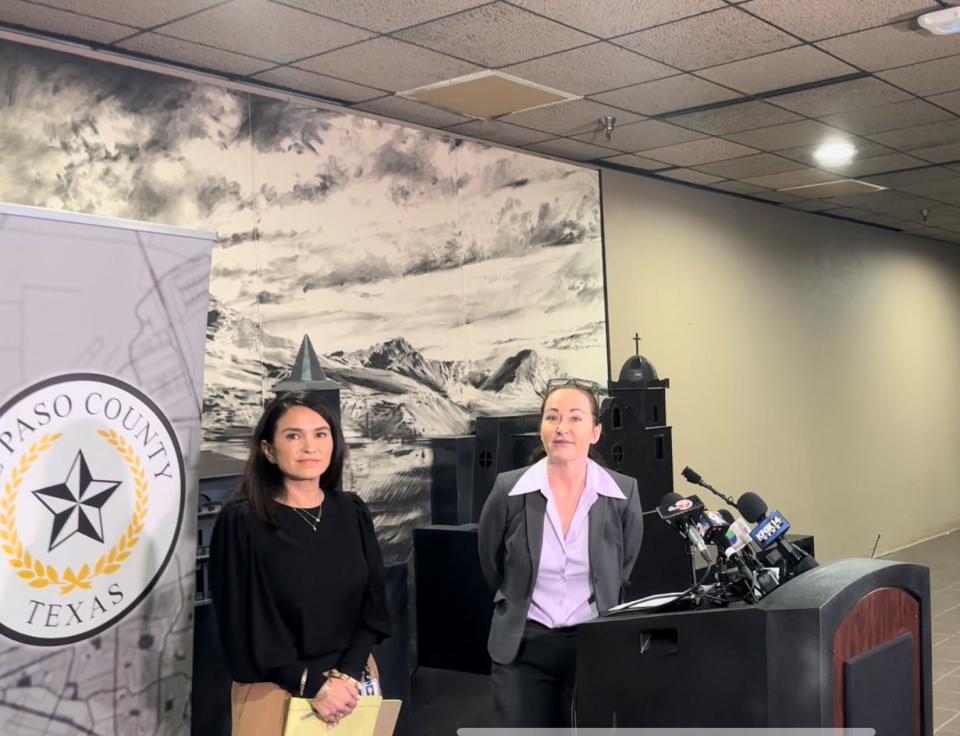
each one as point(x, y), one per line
point(102, 327)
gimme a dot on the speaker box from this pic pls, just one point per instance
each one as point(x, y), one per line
point(495, 451)
point(454, 606)
point(451, 476)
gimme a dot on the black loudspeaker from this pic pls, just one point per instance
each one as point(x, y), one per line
point(454, 606)
point(495, 452)
point(451, 479)
point(524, 445)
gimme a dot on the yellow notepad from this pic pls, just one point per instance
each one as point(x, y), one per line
point(303, 721)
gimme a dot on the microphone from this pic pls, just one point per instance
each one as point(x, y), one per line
point(771, 530)
point(737, 533)
point(696, 541)
point(681, 513)
point(751, 507)
point(694, 477)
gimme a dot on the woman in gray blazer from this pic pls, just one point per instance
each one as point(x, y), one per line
point(558, 540)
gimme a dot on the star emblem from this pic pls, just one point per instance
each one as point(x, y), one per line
point(77, 503)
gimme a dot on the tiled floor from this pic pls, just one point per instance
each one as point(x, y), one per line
point(942, 556)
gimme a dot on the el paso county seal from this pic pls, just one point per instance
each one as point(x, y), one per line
point(91, 501)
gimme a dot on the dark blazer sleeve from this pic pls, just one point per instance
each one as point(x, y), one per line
point(632, 521)
point(373, 625)
point(491, 531)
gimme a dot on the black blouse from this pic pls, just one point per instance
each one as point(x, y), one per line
point(295, 598)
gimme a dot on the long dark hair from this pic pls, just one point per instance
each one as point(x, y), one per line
point(539, 452)
point(262, 480)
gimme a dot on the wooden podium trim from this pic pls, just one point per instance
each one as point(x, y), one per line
point(880, 616)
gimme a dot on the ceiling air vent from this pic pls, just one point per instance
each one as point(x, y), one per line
point(487, 94)
point(833, 189)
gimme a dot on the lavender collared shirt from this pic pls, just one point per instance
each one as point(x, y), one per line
point(562, 595)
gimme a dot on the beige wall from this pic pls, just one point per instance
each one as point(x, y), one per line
point(813, 361)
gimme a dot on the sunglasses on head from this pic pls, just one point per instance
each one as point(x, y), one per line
point(554, 383)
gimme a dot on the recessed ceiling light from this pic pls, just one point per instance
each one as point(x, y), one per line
point(941, 22)
point(835, 153)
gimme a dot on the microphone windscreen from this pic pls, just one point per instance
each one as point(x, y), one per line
point(691, 475)
point(752, 507)
point(727, 516)
point(670, 498)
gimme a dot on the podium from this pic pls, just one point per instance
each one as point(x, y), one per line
point(843, 645)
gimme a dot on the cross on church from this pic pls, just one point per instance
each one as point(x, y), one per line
point(636, 340)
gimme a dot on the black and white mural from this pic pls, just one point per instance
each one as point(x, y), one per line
point(438, 279)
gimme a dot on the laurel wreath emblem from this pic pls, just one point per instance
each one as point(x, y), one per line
point(34, 570)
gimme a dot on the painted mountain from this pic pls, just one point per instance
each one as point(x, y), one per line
point(439, 279)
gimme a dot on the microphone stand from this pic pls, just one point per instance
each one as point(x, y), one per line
point(692, 476)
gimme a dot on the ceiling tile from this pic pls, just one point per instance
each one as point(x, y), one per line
point(918, 175)
point(813, 205)
point(193, 54)
point(887, 117)
point(878, 201)
point(889, 46)
point(635, 162)
point(318, 84)
point(400, 108)
point(789, 135)
point(751, 166)
point(666, 95)
point(62, 22)
point(939, 154)
point(594, 68)
point(708, 39)
point(942, 191)
point(769, 195)
point(853, 213)
point(495, 35)
point(738, 187)
point(264, 29)
point(912, 207)
point(920, 136)
point(841, 97)
point(383, 17)
point(865, 149)
point(799, 178)
point(932, 233)
point(942, 221)
point(570, 118)
point(703, 151)
point(876, 165)
point(778, 70)
point(141, 15)
point(928, 78)
point(566, 148)
point(949, 100)
point(734, 118)
point(388, 64)
point(494, 130)
point(816, 19)
point(606, 18)
point(649, 134)
point(690, 176)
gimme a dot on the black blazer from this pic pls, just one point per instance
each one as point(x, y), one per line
point(511, 535)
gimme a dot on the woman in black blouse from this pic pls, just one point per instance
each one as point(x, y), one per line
point(296, 572)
